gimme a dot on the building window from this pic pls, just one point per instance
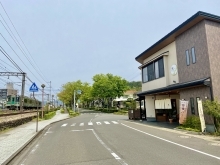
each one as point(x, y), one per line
point(187, 57)
point(153, 70)
point(150, 69)
point(156, 68)
point(145, 76)
point(192, 106)
point(193, 55)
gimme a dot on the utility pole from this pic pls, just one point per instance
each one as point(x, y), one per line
point(74, 101)
point(22, 92)
point(50, 91)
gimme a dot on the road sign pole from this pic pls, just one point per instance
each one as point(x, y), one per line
point(37, 114)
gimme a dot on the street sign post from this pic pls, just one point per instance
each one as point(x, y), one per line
point(33, 89)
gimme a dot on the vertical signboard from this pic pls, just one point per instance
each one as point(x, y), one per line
point(183, 111)
point(201, 116)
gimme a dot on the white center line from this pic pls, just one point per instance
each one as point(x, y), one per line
point(113, 154)
point(73, 124)
point(173, 142)
point(64, 125)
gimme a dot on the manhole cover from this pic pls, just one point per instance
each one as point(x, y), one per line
point(214, 144)
point(185, 137)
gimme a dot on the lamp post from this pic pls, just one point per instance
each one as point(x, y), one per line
point(42, 100)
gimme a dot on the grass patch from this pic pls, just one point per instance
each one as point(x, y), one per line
point(121, 112)
point(188, 129)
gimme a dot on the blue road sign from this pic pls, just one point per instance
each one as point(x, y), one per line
point(33, 88)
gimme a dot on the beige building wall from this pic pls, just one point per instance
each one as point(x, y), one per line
point(169, 60)
point(150, 108)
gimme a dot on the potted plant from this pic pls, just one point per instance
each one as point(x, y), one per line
point(171, 116)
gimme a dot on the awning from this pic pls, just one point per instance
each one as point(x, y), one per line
point(190, 84)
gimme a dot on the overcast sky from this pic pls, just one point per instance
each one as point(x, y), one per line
point(73, 40)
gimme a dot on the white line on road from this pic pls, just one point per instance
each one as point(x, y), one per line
point(114, 122)
point(116, 156)
point(76, 130)
point(73, 124)
point(64, 125)
point(90, 123)
point(98, 123)
point(173, 142)
point(106, 122)
point(113, 154)
point(81, 124)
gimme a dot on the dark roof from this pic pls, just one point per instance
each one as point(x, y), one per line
point(170, 37)
point(178, 86)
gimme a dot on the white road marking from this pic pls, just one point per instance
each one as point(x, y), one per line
point(81, 124)
point(90, 123)
point(98, 123)
point(114, 122)
point(76, 130)
point(64, 125)
point(113, 154)
point(116, 156)
point(48, 131)
point(73, 124)
point(106, 122)
point(192, 149)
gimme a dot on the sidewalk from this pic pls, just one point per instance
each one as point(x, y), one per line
point(171, 127)
point(13, 140)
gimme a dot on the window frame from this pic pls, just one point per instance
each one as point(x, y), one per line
point(193, 54)
point(187, 57)
point(148, 79)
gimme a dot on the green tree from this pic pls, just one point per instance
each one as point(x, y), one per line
point(135, 85)
point(213, 108)
point(106, 87)
point(67, 92)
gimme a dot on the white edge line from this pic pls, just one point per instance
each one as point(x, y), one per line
point(204, 153)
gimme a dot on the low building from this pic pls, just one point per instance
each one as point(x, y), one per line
point(183, 65)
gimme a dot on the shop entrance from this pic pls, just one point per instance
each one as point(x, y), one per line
point(164, 115)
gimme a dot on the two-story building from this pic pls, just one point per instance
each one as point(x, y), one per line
point(183, 65)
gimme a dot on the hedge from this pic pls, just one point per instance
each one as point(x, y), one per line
point(49, 115)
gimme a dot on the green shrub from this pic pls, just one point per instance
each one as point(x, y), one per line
point(192, 122)
point(73, 114)
point(62, 111)
point(49, 115)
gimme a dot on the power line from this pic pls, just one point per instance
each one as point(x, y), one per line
point(19, 46)
point(19, 57)
point(10, 59)
point(20, 39)
point(7, 64)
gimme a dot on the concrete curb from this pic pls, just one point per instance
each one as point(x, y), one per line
point(28, 142)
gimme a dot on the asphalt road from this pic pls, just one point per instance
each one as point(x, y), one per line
point(107, 139)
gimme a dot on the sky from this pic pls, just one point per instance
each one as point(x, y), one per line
point(68, 40)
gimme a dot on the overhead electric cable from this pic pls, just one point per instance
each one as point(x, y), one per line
point(23, 52)
point(19, 57)
point(20, 37)
point(10, 59)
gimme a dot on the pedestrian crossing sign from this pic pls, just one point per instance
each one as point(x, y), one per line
point(33, 88)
